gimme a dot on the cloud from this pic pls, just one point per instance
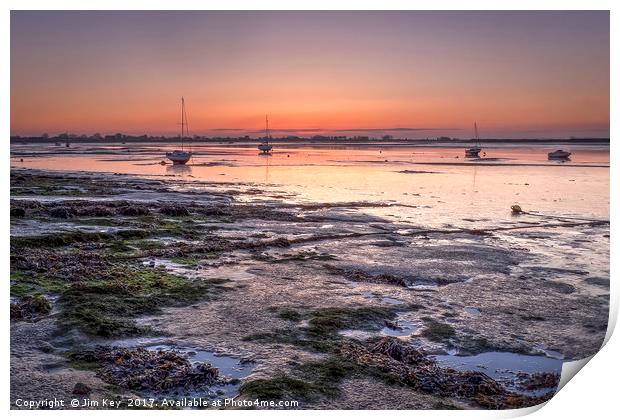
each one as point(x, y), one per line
point(335, 130)
point(392, 129)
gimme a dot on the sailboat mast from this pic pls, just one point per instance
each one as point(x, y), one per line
point(182, 122)
point(476, 131)
point(266, 129)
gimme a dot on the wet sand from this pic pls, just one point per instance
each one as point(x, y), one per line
point(284, 281)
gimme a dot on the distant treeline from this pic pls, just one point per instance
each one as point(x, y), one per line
point(63, 139)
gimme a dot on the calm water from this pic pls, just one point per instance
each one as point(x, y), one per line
point(455, 189)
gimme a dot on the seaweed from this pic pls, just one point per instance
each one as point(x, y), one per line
point(437, 331)
point(321, 332)
point(107, 306)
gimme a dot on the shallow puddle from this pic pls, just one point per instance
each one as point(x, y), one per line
point(357, 334)
point(504, 367)
point(229, 272)
point(401, 327)
point(384, 299)
point(471, 310)
point(392, 301)
point(404, 328)
point(230, 368)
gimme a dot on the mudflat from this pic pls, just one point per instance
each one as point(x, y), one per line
point(386, 298)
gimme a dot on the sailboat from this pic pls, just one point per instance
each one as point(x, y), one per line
point(265, 147)
point(181, 157)
point(558, 154)
point(474, 152)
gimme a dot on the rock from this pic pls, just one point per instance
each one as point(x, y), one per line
point(598, 281)
point(17, 212)
point(359, 275)
point(392, 325)
point(46, 347)
point(173, 210)
point(133, 210)
point(538, 380)
point(279, 242)
point(81, 389)
point(39, 304)
point(16, 312)
point(30, 307)
point(61, 212)
point(96, 211)
point(161, 370)
point(398, 350)
point(215, 211)
point(560, 287)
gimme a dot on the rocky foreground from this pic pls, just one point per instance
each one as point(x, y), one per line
point(329, 304)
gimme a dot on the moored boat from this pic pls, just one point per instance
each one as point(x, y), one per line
point(474, 152)
point(558, 154)
point(265, 147)
point(181, 157)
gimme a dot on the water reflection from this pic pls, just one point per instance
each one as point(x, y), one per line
point(266, 157)
point(438, 190)
point(559, 160)
point(182, 170)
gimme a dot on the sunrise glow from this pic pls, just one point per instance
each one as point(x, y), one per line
point(411, 74)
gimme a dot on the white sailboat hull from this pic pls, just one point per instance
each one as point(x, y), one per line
point(179, 157)
point(473, 152)
point(265, 148)
point(558, 154)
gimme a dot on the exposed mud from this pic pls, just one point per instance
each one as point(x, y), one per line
point(297, 288)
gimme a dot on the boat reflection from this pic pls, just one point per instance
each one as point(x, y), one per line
point(559, 160)
point(178, 169)
point(559, 155)
point(266, 156)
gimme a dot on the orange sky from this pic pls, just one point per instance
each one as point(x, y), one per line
point(518, 74)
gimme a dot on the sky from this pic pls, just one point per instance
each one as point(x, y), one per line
point(414, 74)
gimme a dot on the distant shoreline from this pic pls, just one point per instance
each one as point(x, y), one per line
point(308, 142)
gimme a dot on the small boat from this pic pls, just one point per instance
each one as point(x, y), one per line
point(181, 157)
point(474, 152)
point(265, 147)
point(558, 154)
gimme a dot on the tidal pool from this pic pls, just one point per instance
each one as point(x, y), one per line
point(504, 366)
